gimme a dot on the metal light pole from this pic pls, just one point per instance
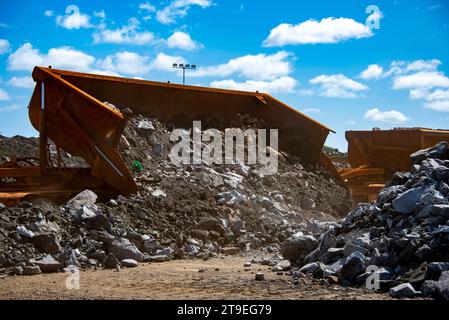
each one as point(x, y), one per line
point(184, 67)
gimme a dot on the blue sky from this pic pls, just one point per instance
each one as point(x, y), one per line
point(318, 56)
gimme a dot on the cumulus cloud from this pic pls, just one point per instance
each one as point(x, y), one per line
point(179, 9)
point(4, 96)
point(127, 34)
point(26, 58)
point(74, 20)
point(338, 86)
point(281, 85)
point(422, 79)
point(126, 62)
point(147, 8)
point(429, 95)
point(439, 105)
point(328, 30)
point(391, 116)
point(254, 67)
point(22, 82)
point(48, 13)
point(164, 62)
point(374, 71)
point(182, 40)
point(4, 46)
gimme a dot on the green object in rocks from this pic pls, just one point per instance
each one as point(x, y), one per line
point(137, 166)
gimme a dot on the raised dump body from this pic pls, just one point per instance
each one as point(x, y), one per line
point(69, 108)
point(376, 155)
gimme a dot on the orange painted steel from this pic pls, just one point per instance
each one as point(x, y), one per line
point(376, 155)
point(68, 107)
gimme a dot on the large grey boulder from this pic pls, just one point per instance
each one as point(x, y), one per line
point(47, 243)
point(86, 197)
point(439, 151)
point(407, 201)
point(124, 249)
point(354, 265)
point(47, 264)
point(298, 246)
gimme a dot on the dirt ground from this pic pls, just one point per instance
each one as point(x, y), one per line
point(224, 278)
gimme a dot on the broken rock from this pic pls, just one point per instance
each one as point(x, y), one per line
point(129, 263)
point(297, 247)
point(124, 249)
point(404, 290)
point(47, 264)
point(86, 197)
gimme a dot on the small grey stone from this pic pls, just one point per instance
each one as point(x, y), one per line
point(129, 263)
point(260, 276)
point(31, 270)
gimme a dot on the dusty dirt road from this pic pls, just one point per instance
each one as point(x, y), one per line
point(179, 279)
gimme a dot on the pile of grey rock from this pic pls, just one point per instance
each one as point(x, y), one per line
point(180, 211)
point(399, 243)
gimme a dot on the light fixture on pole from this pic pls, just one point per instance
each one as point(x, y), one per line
point(184, 67)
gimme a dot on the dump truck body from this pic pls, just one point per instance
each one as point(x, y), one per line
point(69, 108)
point(376, 155)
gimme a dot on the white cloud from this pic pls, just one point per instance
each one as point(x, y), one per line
point(164, 62)
point(429, 95)
point(148, 8)
point(183, 41)
point(22, 82)
point(4, 46)
point(127, 34)
point(280, 85)
point(338, 86)
point(328, 30)
point(25, 58)
point(48, 13)
point(9, 108)
point(422, 79)
point(4, 96)
point(69, 58)
point(74, 20)
point(179, 9)
point(126, 62)
point(440, 105)
point(400, 67)
point(374, 71)
point(256, 67)
point(423, 65)
point(391, 116)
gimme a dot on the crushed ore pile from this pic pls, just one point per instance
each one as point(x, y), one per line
point(401, 241)
point(180, 212)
